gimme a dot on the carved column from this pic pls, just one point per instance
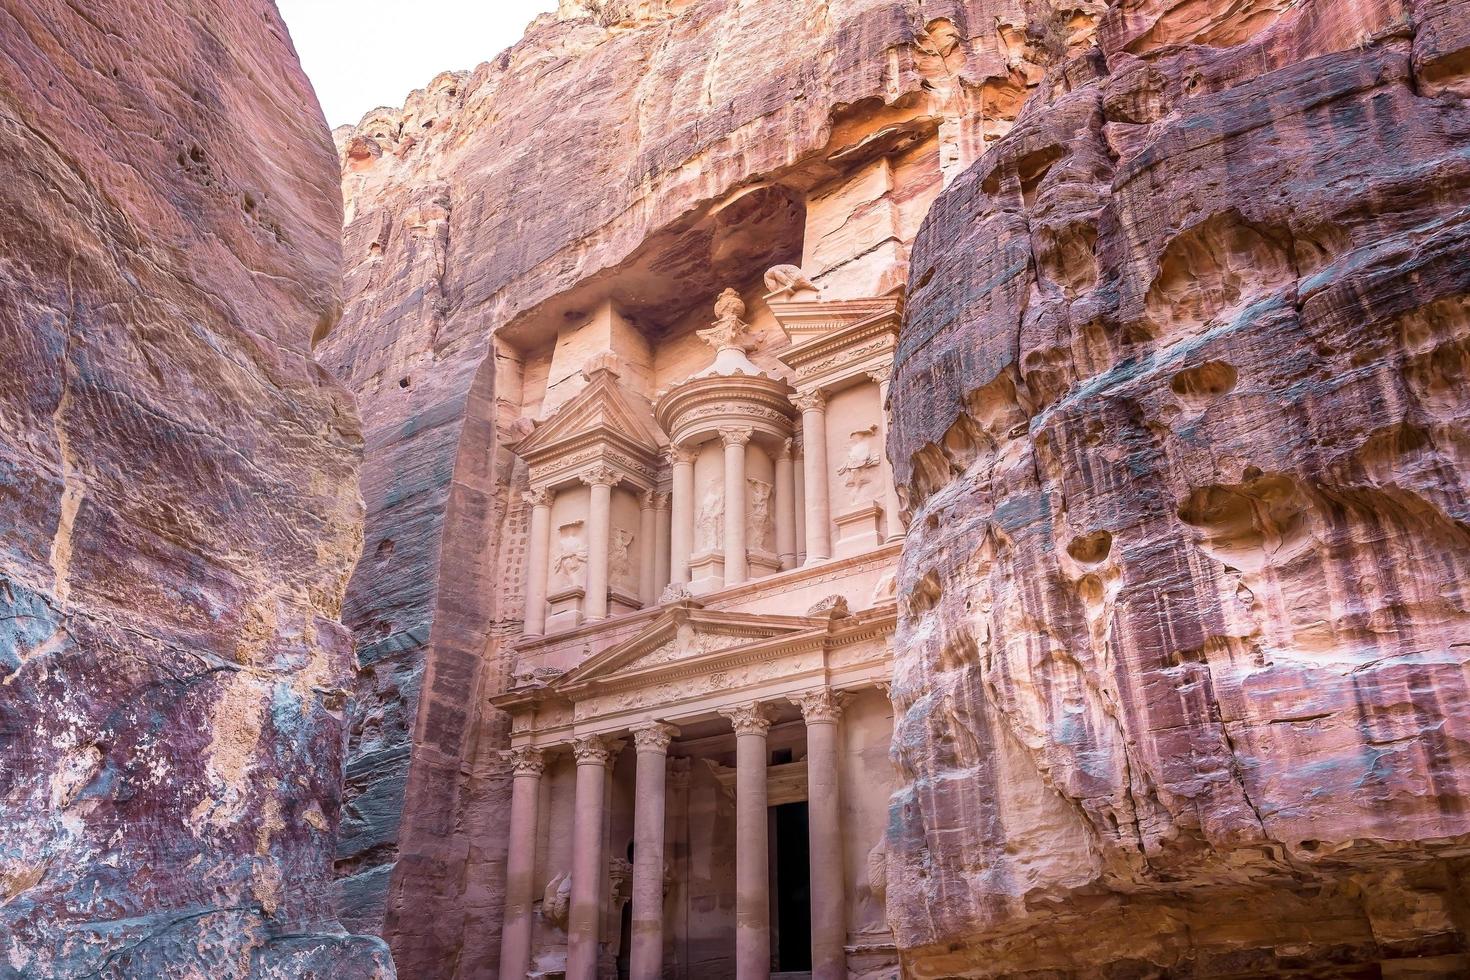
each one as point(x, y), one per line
point(527, 764)
point(785, 507)
point(647, 523)
point(818, 508)
point(822, 710)
point(752, 883)
point(599, 528)
point(661, 545)
point(537, 561)
point(735, 438)
point(681, 526)
point(647, 954)
point(798, 467)
point(894, 523)
point(588, 867)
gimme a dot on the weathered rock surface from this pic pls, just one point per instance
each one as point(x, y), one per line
point(178, 499)
point(1180, 412)
point(632, 144)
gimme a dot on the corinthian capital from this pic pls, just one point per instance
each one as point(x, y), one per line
point(600, 475)
point(882, 374)
point(678, 454)
point(735, 435)
point(819, 706)
point(813, 401)
point(525, 761)
point(654, 737)
point(748, 719)
point(591, 750)
point(540, 496)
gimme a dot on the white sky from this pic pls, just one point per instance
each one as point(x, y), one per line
point(361, 54)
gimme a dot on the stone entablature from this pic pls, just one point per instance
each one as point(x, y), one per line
point(691, 662)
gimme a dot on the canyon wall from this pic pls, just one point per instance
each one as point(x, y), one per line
point(1180, 417)
point(655, 152)
point(178, 499)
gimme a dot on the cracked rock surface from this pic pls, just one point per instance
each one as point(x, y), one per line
point(179, 509)
point(1180, 416)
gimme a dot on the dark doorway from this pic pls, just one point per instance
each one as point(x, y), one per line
point(792, 890)
point(625, 941)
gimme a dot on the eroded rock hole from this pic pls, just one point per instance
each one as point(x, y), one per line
point(1091, 549)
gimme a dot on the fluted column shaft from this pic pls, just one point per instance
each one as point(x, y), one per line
point(785, 507)
point(527, 765)
point(681, 525)
point(814, 446)
point(752, 868)
point(646, 531)
point(822, 711)
point(537, 562)
point(648, 851)
point(599, 529)
point(893, 522)
point(588, 866)
point(735, 565)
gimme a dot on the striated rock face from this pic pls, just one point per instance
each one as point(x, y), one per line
point(650, 152)
point(1180, 413)
point(177, 495)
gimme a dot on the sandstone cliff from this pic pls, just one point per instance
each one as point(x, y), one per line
point(1180, 415)
point(177, 495)
point(655, 148)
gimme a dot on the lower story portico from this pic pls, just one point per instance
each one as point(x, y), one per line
point(705, 799)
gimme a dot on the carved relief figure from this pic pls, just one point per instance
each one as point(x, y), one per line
point(709, 523)
point(858, 466)
point(758, 528)
point(571, 556)
point(620, 556)
point(557, 899)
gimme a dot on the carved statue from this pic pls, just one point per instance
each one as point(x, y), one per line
point(620, 556)
point(709, 523)
point(788, 279)
point(571, 555)
point(557, 900)
point(860, 459)
point(874, 904)
point(758, 515)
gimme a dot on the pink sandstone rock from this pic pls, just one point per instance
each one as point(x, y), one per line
point(1180, 413)
point(661, 145)
point(178, 499)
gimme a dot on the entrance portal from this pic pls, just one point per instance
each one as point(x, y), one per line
point(791, 904)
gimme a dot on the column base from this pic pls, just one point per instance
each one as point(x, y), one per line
point(566, 609)
point(858, 530)
point(707, 572)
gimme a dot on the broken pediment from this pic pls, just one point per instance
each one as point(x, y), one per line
point(604, 422)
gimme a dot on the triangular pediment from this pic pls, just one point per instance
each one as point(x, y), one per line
point(684, 634)
point(806, 319)
point(602, 409)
